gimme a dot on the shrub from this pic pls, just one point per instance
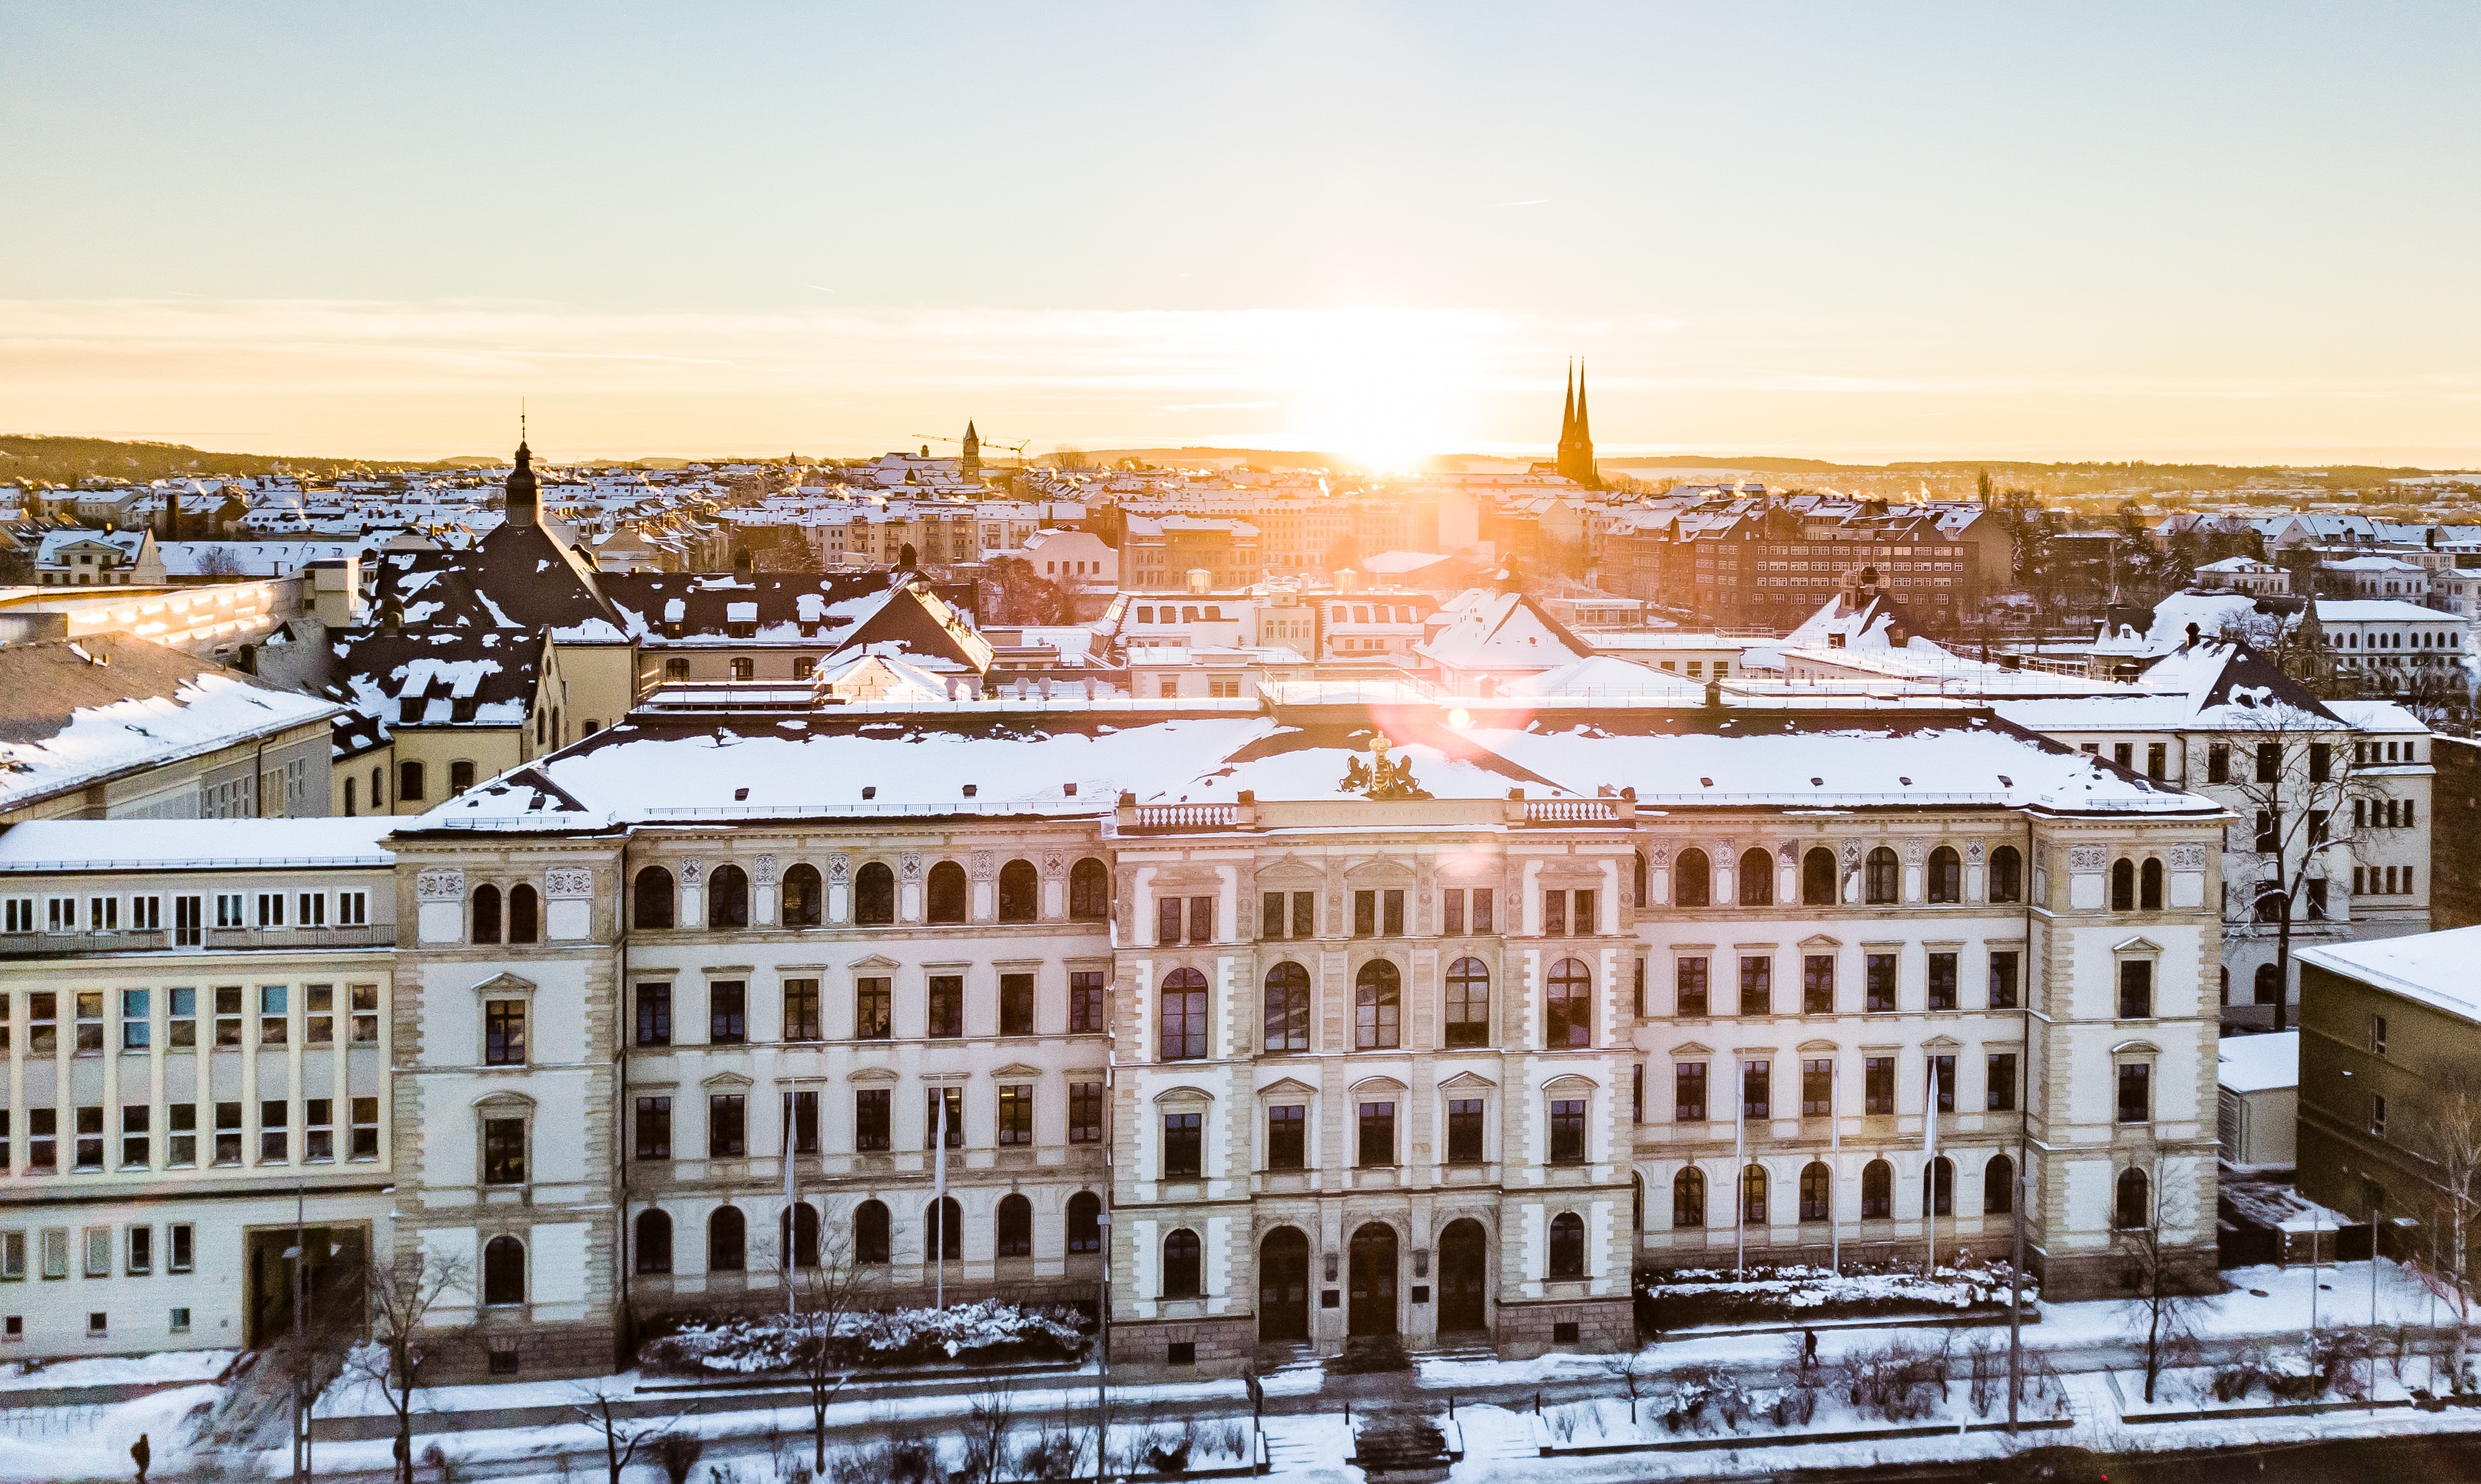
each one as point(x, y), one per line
point(1898, 1382)
point(985, 1332)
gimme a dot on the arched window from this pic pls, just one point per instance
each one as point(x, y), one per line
point(504, 1271)
point(486, 914)
point(652, 899)
point(1880, 877)
point(1184, 1015)
point(870, 1234)
point(1288, 1008)
point(727, 1240)
point(525, 914)
point(1938, 1187)
point(1752, 1195)
point(1817, 878)
point(408, 783)
point(1688, 1197)
point(727, 897)
point(1877, 1191)
point(1090, 890)
point(1468, 1002)
point(1020, 893)
point(945, 902)
point(348, 794)
point(1570, 1017)
point(875, 895)
point(379, 789)
point(796, 1231)
point(1757, 882)
point(943, 1229)
point(2006, 874)
point(1180, 1275)
point(654, 1243)
point(1085, 1222)
point(1998, 1187)
point(2123, 885)
point(1567, 1245)
point(1377, 1007)
point(1817, 1191)
point(2267, 986)
point(805, 897)
point(1012, 1230)
point(1946, 875)
point(2149, 885)
point(2133, 1208)
point(1692, 882)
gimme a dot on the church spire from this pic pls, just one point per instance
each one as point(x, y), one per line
point(1576, 433)
point(1585, 425)
point(1568, 411)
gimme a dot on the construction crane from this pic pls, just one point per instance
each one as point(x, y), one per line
point(987, 444)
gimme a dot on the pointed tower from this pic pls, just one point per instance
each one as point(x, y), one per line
point(972, 460)
point(1576, 436)
point(521, 485)
point(1568, 413)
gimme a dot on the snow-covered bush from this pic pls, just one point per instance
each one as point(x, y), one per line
point(992, 1330)
point(1900, 1382)
point(1701, 1395)
point(1800, 1294)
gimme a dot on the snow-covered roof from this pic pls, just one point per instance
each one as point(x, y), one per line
point(1508, 633)
point(1602, 675)
point(2377, 610)
point(2434, 968)
point(169, 845)
point(2259, 1063)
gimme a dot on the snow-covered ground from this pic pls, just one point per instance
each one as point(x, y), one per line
point(118, 1370)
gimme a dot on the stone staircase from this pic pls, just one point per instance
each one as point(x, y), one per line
point(1402, 1445)
point(1368, 1355)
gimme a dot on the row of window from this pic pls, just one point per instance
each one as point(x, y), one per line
point(1694, 993)
point(654, 895)
point(943, 1123)
point(322, 1016)
point(874, 1010)
point(95, 1246)
point(1377, 1007)
point(1821, 1095)
point(226, 1135)
point(2131, 1193)
point(144, 912)
point(797, 1231)
point(1693, 878)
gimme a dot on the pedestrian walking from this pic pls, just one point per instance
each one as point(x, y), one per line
point(141, 1455)
point(1807, 1350)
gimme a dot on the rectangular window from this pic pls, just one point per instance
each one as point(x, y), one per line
point(1878, 1086)
point(1085, 1112)
point(1568, 1130)
point(801, 1119)
point(1582, 922)
point(943, 1117)
point(874, 1011)
point(89, 1137)
point(2158, 760)
point(274, 1142)
point(654, 1128)
point(229, 1134)
point(13, 1258)
point(55, 1251)
point(1756, 1089)
point(871, 1122)
point(1941, 984)
point(727, 1126)
point(801, 1010)
point(1481, 912)
point(1365, 914)
point(2321, 761)
point(44, 1022)
point(2377, 1035)
point(2135, 1092)
point(1270, 915)
point(366, 1128)
point(2001, 1085)
point(1878, 982)
point(1201, 920)
point(504, 1150)
point(1016, 1115)
point(181, 1032)
point(504, 1032)
point(1757, 986)
point(2002, 979)
point(135, 1141)
point(311, 909)
point(2377, 1115)
point(1688, 1092)
point(1942, 1071)
point(2218, 764)
point(727, 1011)
point(1086, 1000)
point(229, 911)
point(1377, 1134)
point(1167, 910)
point(20, 914)
point(1816, 1086)
point(353, 909)
point(271, 909)
point(1464, 1130)
point(1452, 912)
point(319, 1015)
point(1390, 913)
point(947, 1006)
point(1016, 1004)
point(181, 1138)
point(365, 999)
point(2136, 989)
point(179, 1250)
point(187, 922)
point(1817, 984)
point(98, 1260)
point(1183, 1145)
point(1286, 1139)
point(2269, 761)
point(1692, 987)
point(1304, 914)
point(90, 1020)
point(1555, 914)
point(137, 1026)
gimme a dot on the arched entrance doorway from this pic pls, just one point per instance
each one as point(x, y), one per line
point(1374, 1281)
point(1464, 1256)
point(1283, 1284)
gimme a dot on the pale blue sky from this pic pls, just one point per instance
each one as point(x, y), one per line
point(1864, 231)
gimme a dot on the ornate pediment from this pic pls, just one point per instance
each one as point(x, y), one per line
point(874, 1076)
point(1468, 1081)
point(504, 984)
point(727, 1080)
point(872, 963)
point(1288, 1088)
point(1185, 1093)
point(1573, 1085)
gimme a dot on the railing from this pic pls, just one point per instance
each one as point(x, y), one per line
point(1570, 811)
point(60, 945)
point(1187, 816)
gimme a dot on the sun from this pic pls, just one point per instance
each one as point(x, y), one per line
point(1388, 388)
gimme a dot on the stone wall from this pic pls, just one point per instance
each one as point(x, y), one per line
point(1221, 1346)
point(1529, 1329)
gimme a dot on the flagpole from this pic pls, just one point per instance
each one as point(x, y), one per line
point(1929, 1174)
point(939, 1197)
point(1739, 1169)
point(1835, 1167)
point(791, 1212)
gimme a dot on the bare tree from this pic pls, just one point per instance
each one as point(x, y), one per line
point(2159, 1277)
point(599, 1406)
point(822, 1295)
point(2303, 800)
point(401, 1299)
point(2449, 1142)
point(990, 1420)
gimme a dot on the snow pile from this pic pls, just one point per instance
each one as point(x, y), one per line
point(992, 1330)
point(1802, 1295)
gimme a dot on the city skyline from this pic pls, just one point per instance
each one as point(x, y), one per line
point(1927, 233)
